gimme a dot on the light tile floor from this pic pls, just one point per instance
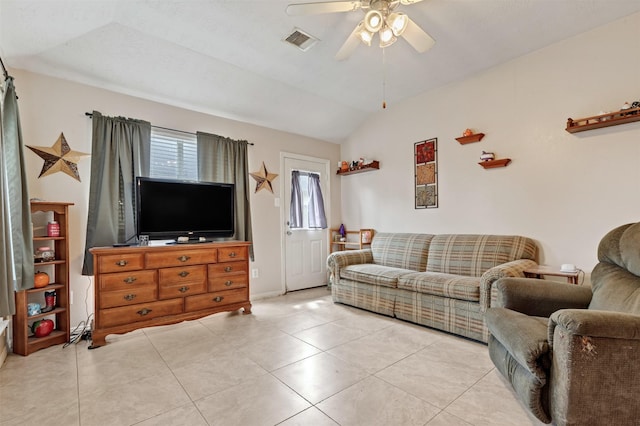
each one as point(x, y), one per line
point(299, 359)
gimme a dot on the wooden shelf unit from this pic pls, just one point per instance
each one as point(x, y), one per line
point(603, 120)
point(492, 164)
point(374, 165)
point(364, 238)
point(476, 137)
point(58, 270)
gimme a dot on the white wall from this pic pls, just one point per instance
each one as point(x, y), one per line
point(564, 190)
point(49, 106)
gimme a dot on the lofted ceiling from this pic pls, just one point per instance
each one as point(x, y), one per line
point(228, 57)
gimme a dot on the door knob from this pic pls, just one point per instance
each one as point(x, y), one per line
point(289, 232)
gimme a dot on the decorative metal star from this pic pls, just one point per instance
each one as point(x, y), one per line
point(263, 178)
point(59, 158)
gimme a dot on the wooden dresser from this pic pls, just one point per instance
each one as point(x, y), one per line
point(139, 287)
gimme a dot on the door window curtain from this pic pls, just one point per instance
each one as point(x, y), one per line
point(224, 160)
point(16, 233)
point(119, 152)
point(316, 218)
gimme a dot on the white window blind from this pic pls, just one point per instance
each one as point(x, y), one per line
point(174, 155)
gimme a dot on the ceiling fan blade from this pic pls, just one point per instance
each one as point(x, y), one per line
point(350, 44)
point(417, 37)
point(298, 9)
point(408, 2)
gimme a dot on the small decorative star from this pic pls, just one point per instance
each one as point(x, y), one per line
point(264, 178)
point(59, 158)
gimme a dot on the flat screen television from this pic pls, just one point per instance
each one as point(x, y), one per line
point(170, 209)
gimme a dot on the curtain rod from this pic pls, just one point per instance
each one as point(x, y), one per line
point(4, 69)
point(89, 114)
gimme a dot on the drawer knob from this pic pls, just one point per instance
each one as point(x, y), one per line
point(183, 274)
point(129, 297)
point(228, 283)
point(232, 254)
point(129, 280)
point(184, 258)
point(228, 269)
point(143, 312)
point(121, 262)
point(183, 289)
point(218, 298)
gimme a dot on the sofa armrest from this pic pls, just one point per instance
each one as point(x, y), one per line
point(539, 297)
point(514, 268)
point(588, 322)
point(342, 259)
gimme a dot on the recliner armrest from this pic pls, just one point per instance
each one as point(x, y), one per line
point(588, 322)
point(539, 297)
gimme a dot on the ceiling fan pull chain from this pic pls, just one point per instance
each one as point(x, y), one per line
point(384, 79)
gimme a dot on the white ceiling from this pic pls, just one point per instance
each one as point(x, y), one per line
point(227, 57)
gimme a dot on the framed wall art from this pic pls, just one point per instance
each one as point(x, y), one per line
point(426, 173)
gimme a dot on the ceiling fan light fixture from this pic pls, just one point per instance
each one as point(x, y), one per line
point(386, 37)
point(365, 36)
point(373, 21)
point(398, 22)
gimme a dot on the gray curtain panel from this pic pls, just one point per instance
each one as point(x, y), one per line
point(317, 218)
point(315, 214)
point(224, 160)
point(295, 209)
point(119, 152)
point(16, 249)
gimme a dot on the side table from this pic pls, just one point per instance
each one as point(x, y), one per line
point(540, 271)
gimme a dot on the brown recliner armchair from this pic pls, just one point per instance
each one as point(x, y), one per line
point(571, 353)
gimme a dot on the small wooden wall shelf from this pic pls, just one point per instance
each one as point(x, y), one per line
point(492, 164)
point(374, 165)
point(603, 120)
point(476, 137)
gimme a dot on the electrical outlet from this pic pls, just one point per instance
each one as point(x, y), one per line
point(255, 273)
point(71, 297)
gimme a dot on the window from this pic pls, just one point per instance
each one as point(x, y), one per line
point(174, 155)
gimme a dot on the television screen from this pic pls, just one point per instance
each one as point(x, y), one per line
point(169, 209)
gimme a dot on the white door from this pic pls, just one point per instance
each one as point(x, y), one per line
point(305, 249)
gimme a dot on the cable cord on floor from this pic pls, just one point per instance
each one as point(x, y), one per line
point(75, 335)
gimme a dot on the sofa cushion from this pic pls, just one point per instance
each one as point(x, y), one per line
point(406, 251)
point(373, 274)
point(445, 285)
point(615, 280)
point(614, 289)
point(472, 255)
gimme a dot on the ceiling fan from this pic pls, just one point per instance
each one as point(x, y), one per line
point(380, 18)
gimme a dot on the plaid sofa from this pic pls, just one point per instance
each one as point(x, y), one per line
point(440, 281)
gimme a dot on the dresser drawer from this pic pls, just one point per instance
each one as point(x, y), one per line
point(227, 283)
point(140, 312)
point(126, 280)
point(170, 291)
point(184, 274)
point(132, 296)
point(212, 300)
point(231, 254)
point(181, 257)
point(229, 268)
point(120, 262)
